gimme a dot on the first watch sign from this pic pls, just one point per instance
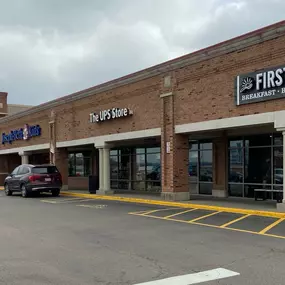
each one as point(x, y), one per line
point(260, 86)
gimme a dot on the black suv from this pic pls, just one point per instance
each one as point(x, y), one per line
point(29, 178)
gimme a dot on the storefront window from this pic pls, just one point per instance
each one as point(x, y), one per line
point(138, 169)
point(200, 167)
point(255, 162)
point(79, 164)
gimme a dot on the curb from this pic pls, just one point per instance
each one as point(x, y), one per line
point(177, 204)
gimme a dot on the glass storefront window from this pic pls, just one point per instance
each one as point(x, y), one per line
point(258, 164)
point(236, 165)
point(139, 169)
point(153, 166)
point(278, 139)
point(114, 166)
point(206, 165)
point(236, 190)
point(258, 140)
point(200, 167)
point(79, 164)
point(278, 165)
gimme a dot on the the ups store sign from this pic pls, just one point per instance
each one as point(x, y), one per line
point(260, 86)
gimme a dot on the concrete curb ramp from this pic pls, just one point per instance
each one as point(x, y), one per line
point(176, 204)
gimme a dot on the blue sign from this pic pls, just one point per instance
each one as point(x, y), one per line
point(22, 134)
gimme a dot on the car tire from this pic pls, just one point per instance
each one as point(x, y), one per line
point(55, 193)
point(8, 192)
point(24, 191)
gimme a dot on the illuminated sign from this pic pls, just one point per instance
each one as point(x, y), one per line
point(21, 134)
point(109, 114)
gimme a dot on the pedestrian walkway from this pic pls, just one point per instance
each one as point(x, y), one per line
point(251, 207)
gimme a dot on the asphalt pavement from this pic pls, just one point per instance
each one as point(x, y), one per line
point(67, 240)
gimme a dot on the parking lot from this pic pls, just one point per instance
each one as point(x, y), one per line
point(247, 223)
point(73, 240)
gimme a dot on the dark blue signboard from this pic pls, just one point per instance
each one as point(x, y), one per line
point(21, 134)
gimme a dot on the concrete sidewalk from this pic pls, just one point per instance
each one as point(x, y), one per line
point(242, 206)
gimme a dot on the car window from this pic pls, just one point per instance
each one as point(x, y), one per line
point(21, 170)
point(15, 171)
point(44, 169)
point(25, 170)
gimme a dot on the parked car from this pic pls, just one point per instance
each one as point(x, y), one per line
point(28, 179)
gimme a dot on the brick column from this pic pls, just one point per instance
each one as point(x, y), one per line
point(61, 162)
point(174, 151)
point(220, 168)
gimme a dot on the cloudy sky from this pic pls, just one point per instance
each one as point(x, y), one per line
point(51, 48)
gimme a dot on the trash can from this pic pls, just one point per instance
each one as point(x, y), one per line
point(93, 184)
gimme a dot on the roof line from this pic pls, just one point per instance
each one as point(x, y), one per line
point(236, 43)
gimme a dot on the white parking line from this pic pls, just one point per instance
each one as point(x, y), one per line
point(92, 206)
point(194, 278)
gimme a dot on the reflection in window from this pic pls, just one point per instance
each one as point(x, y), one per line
point(138, 169)
point(259, 164)
point(206, 164)
point(200, 165)
point(79, 164)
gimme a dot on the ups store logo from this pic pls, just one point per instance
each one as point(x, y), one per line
point(260, 86)
point(109, 114)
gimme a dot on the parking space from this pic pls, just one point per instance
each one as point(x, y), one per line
point(252, 224)
point(247, 223)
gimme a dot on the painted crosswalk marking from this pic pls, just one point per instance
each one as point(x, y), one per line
point(195, 278)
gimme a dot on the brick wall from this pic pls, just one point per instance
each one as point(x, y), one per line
point(205, 91)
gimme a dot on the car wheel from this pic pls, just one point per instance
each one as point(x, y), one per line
point(8, 192)
point(55, 193)
point(24, 191)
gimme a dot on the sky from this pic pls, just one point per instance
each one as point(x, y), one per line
point(51, 48)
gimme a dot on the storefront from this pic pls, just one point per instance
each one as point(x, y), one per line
point(208, 123)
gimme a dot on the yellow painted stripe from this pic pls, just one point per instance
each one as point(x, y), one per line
point(177, 204)
point(212, 226)
point(234, 221)
point(154, 211)
point(205, 216)
point(271, 226)
point(180, 213)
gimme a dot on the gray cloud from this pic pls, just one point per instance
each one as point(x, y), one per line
point(50, 48)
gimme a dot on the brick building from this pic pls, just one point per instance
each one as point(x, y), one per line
point(208, 123)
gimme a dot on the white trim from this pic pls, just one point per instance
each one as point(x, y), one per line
point(276, 118)
point(76, 142)
point(238, 90)
point(97, 141)
point(25, 149)
point(129, 135)
point(101, 140)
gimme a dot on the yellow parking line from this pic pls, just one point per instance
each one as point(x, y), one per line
point(205, 216)
point(271, 226)
point(137, 213)
point(180, 213)
point(154, 211)
point(212, 226)
point(235, 220)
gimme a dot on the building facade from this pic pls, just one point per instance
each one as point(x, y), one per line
point(208, 123)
